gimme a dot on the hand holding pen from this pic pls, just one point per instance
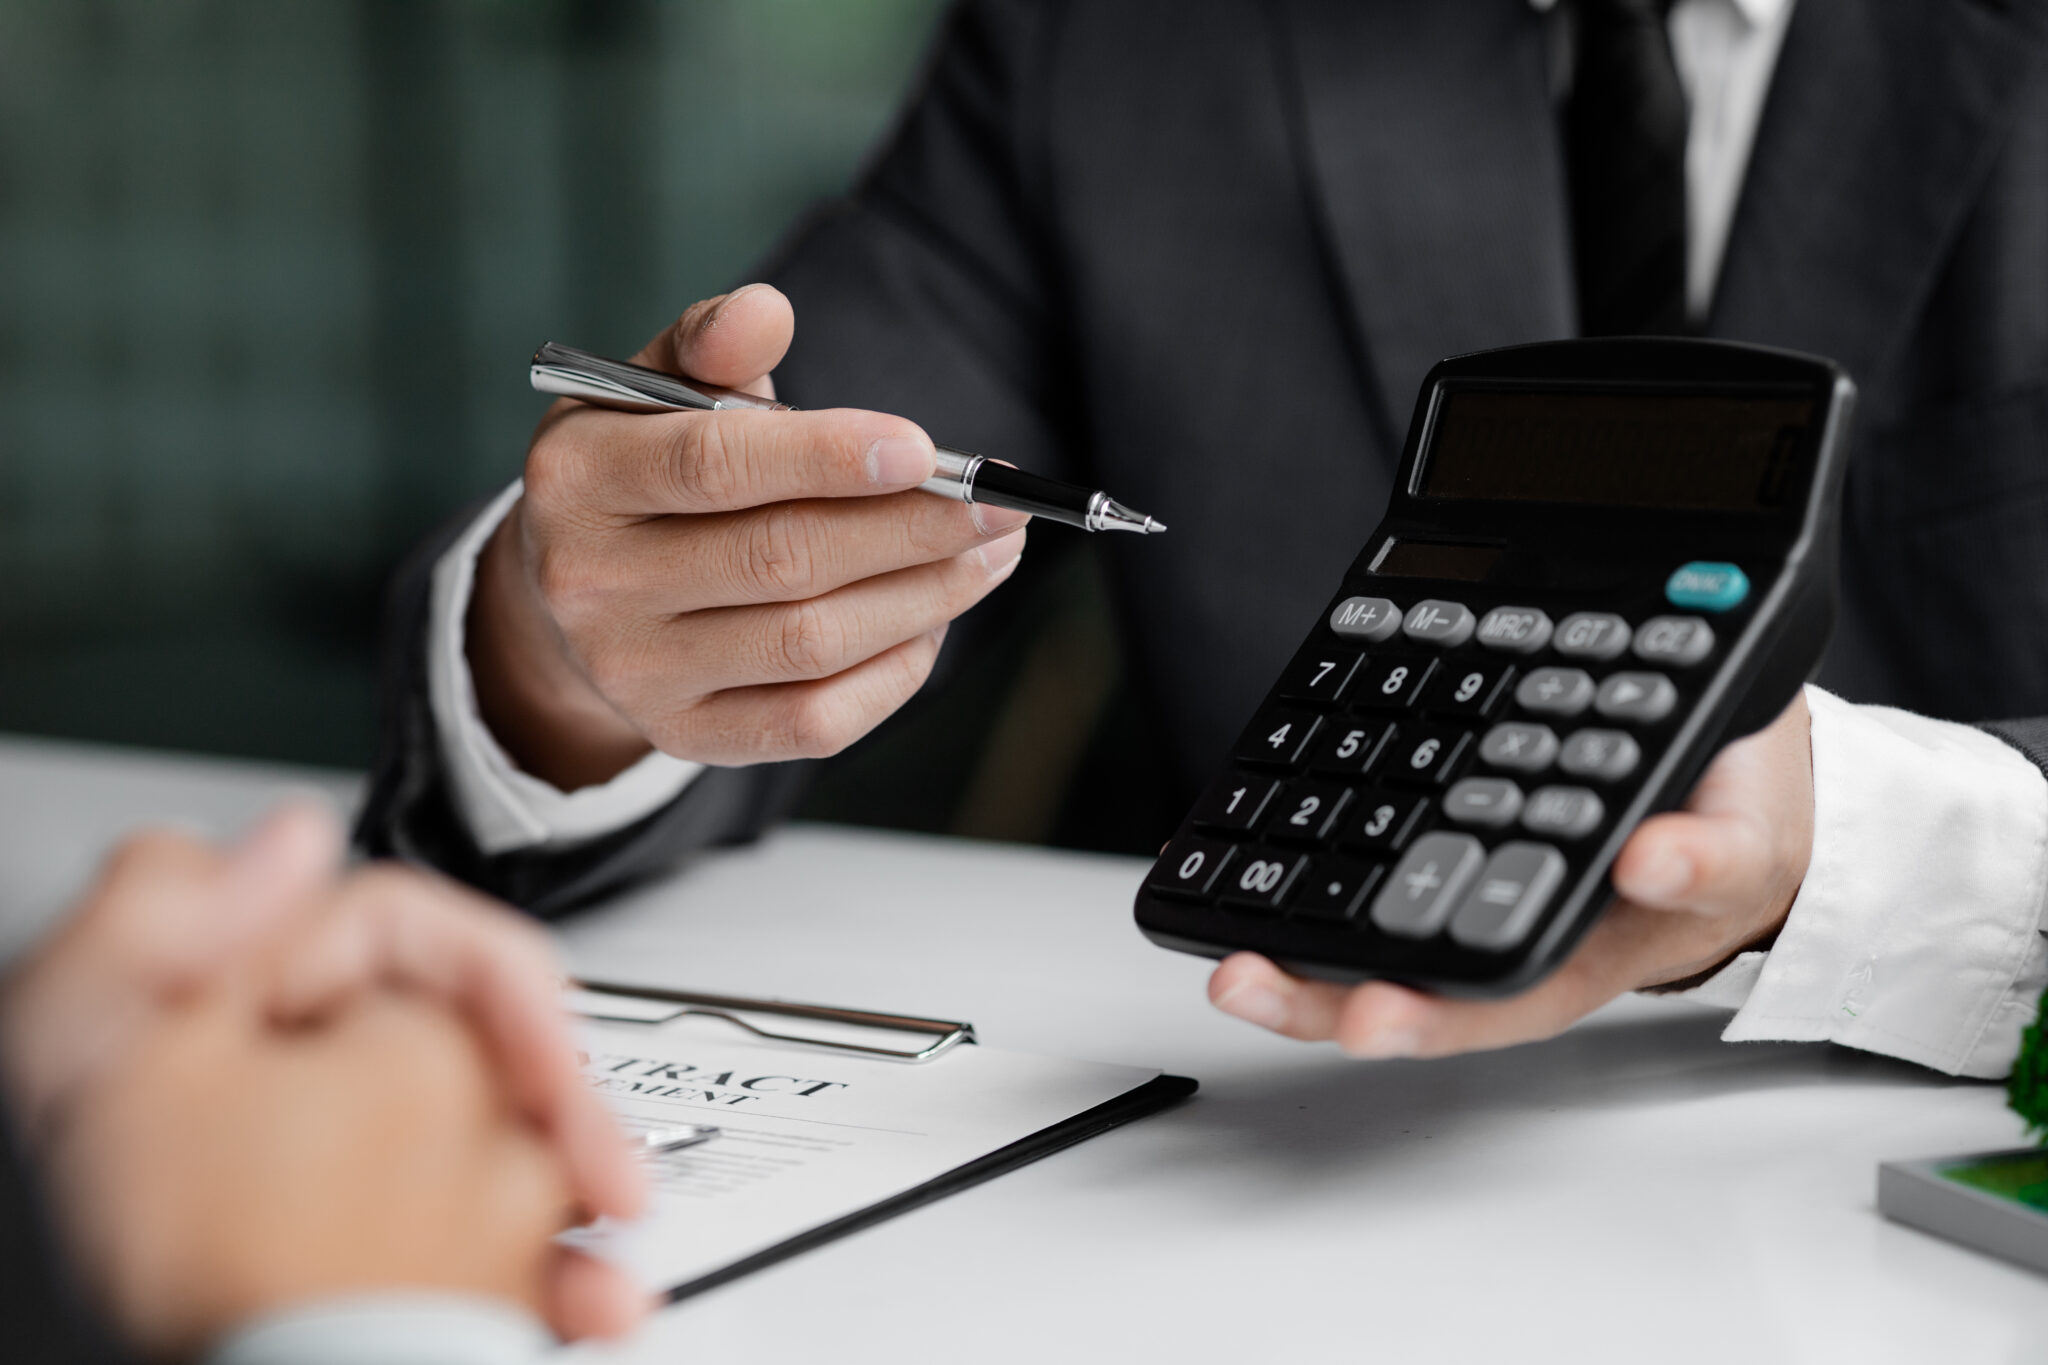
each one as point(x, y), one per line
point(729, 586)
point(964, 477)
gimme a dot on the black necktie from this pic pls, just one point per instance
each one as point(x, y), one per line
point(1625, 139)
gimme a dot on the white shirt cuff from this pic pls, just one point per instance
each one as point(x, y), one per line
point(1917, 932)
point(398, 1328)
point(505, 808)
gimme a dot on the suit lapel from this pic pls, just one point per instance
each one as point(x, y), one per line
point(1883, 120)
point(1431, 151)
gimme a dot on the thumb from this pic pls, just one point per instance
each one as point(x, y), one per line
point(1708, 863)
point(586, 1297)
point(734, 339)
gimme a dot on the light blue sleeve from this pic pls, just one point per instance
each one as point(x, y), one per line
point(398, 1328)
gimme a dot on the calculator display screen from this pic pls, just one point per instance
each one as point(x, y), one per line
point(1707, 452)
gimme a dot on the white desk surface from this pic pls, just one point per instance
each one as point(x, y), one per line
point(1635, 1190)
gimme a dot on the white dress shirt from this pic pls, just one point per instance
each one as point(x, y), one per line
point(1917, 930)
point(507, 808)
point(394, 1327)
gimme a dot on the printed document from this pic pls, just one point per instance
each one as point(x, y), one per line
point(808, 1135)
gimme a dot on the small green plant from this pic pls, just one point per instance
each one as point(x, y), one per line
point(2027, 1091)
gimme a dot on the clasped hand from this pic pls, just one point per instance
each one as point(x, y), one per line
point(253, 1081)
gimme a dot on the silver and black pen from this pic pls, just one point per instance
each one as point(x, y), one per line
point(961, 476)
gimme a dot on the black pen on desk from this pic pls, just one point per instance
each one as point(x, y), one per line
point(963, 477)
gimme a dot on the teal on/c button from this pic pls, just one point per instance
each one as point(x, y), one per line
point(1706, 587)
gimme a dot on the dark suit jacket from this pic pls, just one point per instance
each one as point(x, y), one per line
point(1201, 253)
point(42, 1321)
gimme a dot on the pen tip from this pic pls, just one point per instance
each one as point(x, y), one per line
point(1154, 526)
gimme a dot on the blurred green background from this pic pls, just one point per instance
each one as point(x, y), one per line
point(269, 276)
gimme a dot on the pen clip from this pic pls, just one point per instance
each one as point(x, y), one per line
point(570, 373)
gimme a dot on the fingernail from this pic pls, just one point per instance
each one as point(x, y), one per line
point(1396, 1041)
point(899, 460)
point(994, 520)
point(711, 318)
point(1259, 1005)
point(1000, 556)
point(1664, 878)
point(300, 837)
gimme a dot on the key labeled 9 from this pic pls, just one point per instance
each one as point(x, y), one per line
point(1472, 688)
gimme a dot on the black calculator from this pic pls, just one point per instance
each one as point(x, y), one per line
point(1602, 561)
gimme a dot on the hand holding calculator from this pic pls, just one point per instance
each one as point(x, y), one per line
point(1603, 560)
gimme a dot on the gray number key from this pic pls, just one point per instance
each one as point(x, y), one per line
point(1365, 618)
point(1520, 746)
point(1680, 641)
point(1426, 884)
point(1605, 755)
point(1520, 630)
point(1510, 895)
point(1591, 635)
point(1438, 622)
point(1562, 812)
point(1490, 802)
point(1641, 697)
point(1555, 691)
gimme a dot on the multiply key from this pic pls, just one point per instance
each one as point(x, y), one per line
point(1518, 745)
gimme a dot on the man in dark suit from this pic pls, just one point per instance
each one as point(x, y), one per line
point(1202, 254)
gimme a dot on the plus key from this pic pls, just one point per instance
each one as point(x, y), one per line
point(1427, 885)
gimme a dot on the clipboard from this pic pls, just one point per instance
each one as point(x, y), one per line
point(653, 1005)
point(911, 1041)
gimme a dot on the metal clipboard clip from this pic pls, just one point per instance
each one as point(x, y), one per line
point(652, 1005)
